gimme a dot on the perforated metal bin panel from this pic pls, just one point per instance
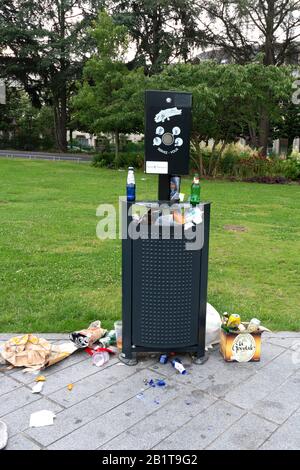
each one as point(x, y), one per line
point(165, 293)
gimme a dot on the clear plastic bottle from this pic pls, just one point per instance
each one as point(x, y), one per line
point(130, 187)
point(100, 358)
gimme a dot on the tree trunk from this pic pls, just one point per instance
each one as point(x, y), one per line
point(290, 146)
point(253, 140)
point(117, 141)
point(264, 131)
point(60, 119)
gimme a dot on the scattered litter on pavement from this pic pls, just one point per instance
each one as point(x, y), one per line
point(41, 418)
point(3, 435)
point(30, 371)
point(240, 341)
point(160, 383)
point(100, 358)
point(70, 387)
point(176, 363)
point(213, 325)
point(38, 387)
point(100, 354)
point(5, 369)
point(34, 353)
point(163, 359)
point(87, 337)
point(40, 378)
point(155, 383)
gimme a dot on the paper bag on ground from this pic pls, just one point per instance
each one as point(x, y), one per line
point(26, 351)
point(85, 338)
point(33, 352)
point(60, 352)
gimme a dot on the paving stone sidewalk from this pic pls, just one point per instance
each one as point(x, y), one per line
point(215, 406)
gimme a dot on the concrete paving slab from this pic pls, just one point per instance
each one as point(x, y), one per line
point(246, 434)
point(286, 437)
point(16, 399)
point(204, 428)
point(20, 442)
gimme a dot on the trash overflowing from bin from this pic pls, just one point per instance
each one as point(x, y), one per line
point(240, 341)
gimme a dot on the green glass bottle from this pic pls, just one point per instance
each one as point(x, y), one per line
point(195, 191)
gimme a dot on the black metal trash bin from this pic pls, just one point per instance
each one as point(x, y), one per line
point(164, 292)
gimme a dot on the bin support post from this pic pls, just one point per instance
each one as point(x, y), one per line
point(201, 357)
point(126, 356)
point(163, 187)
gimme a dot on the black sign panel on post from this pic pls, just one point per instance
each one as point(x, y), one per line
point(167, 133)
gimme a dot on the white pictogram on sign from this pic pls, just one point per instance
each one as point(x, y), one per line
point(166, 114)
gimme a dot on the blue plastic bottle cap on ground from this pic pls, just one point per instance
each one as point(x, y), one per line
point(163, 359)
point(160, 383)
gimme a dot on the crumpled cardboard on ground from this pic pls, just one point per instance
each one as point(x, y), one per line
point(33, 352)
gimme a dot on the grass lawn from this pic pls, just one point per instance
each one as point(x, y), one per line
point(56, 276)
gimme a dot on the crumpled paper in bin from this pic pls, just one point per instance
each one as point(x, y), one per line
point(34, 353)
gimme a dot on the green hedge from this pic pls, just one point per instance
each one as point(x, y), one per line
point(237, 161)
point(243, 162)
point(124, 160)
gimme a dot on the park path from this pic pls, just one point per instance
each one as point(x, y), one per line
point(215, 406)
point(50, 156)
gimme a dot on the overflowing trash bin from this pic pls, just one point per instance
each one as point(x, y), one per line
point(165, 242)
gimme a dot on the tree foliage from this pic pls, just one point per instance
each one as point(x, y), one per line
point(228, 99)
point(108, 96)
point(245, 28)
point(23, 126)
point(43, 46)
point(162, 30)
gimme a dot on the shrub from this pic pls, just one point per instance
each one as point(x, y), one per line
point(239, 161)
point(291, 169)
point(124, 160)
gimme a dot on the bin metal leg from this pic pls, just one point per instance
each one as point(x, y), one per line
point(201, 357)
point(129, 360)
point(127, 356)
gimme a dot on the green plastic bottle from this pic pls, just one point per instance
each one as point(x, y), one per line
point(195, 191)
